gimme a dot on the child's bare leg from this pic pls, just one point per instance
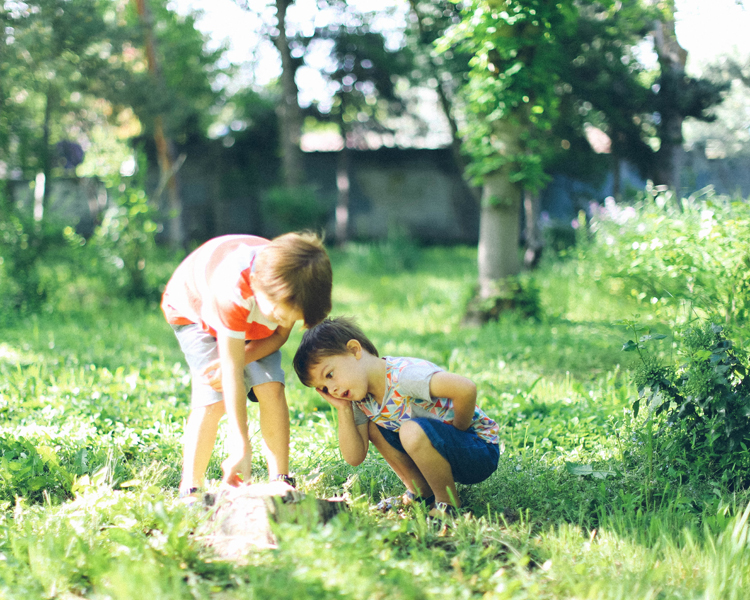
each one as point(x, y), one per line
point(198, 443)
point(437, 471)
point(274, 426)
point(403, 466)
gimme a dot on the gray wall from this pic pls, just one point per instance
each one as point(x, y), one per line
point(414, 192)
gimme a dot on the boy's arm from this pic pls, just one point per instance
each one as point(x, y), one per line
point(253, 351)
point(258, 349)
point(461, 391)
point(232, 358)
point(354, 441)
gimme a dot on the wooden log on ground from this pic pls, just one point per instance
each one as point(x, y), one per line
point(239, 519)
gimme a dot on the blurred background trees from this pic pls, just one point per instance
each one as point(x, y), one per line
point(522, 89)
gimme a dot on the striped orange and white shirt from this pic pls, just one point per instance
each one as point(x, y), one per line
point(211, 288)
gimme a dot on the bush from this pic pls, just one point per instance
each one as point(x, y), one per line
point(292, 209)
point(26, 246)
point(125, 240)
point(697, 254)
point(701, 407)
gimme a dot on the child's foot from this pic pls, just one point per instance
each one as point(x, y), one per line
point(406, 499)
point(189, 495)
point(443, 511)
point(442, 515)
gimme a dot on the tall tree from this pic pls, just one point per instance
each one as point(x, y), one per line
point(362, 72)
point(511, 106)
point(173, 96)
point(289, 112)
point(54, 52)
point(678, 96)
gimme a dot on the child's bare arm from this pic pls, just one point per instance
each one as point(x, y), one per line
point(354, 440)
point(461, 390)
point(232, 355)
point(254, 350)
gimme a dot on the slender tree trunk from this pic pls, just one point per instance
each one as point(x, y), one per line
point(531, 208)
point(343, 186)
point(164, 148)
point(616, 177)
point(447, 107)
point(42, 197)
point(290, 116)
point(499, 230)
point(672, 60)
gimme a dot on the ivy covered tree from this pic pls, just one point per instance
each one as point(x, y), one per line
point(511, 107)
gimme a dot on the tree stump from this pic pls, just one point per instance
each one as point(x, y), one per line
point(239, 519)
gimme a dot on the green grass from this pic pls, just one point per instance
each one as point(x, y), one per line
point(92, 408)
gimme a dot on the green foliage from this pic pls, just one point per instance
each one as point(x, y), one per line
point(97, 404)
point(704, 403)
point(125, 239)
point(293, 209)
point(28, 251)
point(511, 99)
point(694, 256)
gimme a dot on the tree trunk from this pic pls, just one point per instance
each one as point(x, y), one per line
point(531, 208)
point(42, 197)
point(447, 106)
point(290, 116)
point(499, 229)
point(672, 60)
point(164, 148)
point(342, 203)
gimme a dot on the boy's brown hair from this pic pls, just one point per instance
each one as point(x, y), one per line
point(295, 268)
point(328, 338)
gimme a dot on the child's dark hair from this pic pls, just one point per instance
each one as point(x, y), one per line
point(295, 268)
point(328, 338)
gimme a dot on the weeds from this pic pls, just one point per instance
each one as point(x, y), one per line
point(97, 405)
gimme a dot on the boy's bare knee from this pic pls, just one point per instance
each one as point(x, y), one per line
point(412, 436)
point(271, 391)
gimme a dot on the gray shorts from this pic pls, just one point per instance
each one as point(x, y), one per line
point(200, 349)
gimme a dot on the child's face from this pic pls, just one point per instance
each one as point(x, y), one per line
point(342, 376)
point(281, 313)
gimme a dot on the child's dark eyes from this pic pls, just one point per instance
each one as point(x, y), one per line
point(329, 374)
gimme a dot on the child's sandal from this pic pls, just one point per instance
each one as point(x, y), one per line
point(407, 498)
point(442, 511)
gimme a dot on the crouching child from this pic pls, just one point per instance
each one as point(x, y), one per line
point(423, 420)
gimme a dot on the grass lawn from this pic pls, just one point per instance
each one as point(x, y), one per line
point(93, 405)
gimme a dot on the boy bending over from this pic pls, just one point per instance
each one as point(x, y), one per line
point(422, 419)
point(232, 304)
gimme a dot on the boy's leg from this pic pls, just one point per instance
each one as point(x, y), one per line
point(207, 405)
point(403, 466)
point(436, 469)
point(274, 426)
point(198, 443)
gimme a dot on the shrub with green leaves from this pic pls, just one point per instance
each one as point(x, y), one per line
point(696, 252)
point(703, 404)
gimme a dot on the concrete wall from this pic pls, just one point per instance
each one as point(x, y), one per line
point(414, 192)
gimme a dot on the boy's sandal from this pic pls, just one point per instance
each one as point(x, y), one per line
point(442, 511)
point(286, 479)
point(188, 496)
point(407, 498)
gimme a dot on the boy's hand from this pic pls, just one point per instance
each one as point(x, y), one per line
point(212, 374)
point(337, 403)
point(237, 468)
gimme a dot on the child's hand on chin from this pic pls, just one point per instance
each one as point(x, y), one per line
point(335, 402)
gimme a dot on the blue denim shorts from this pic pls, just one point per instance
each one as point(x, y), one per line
point(200, 349)
point(471, 458)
